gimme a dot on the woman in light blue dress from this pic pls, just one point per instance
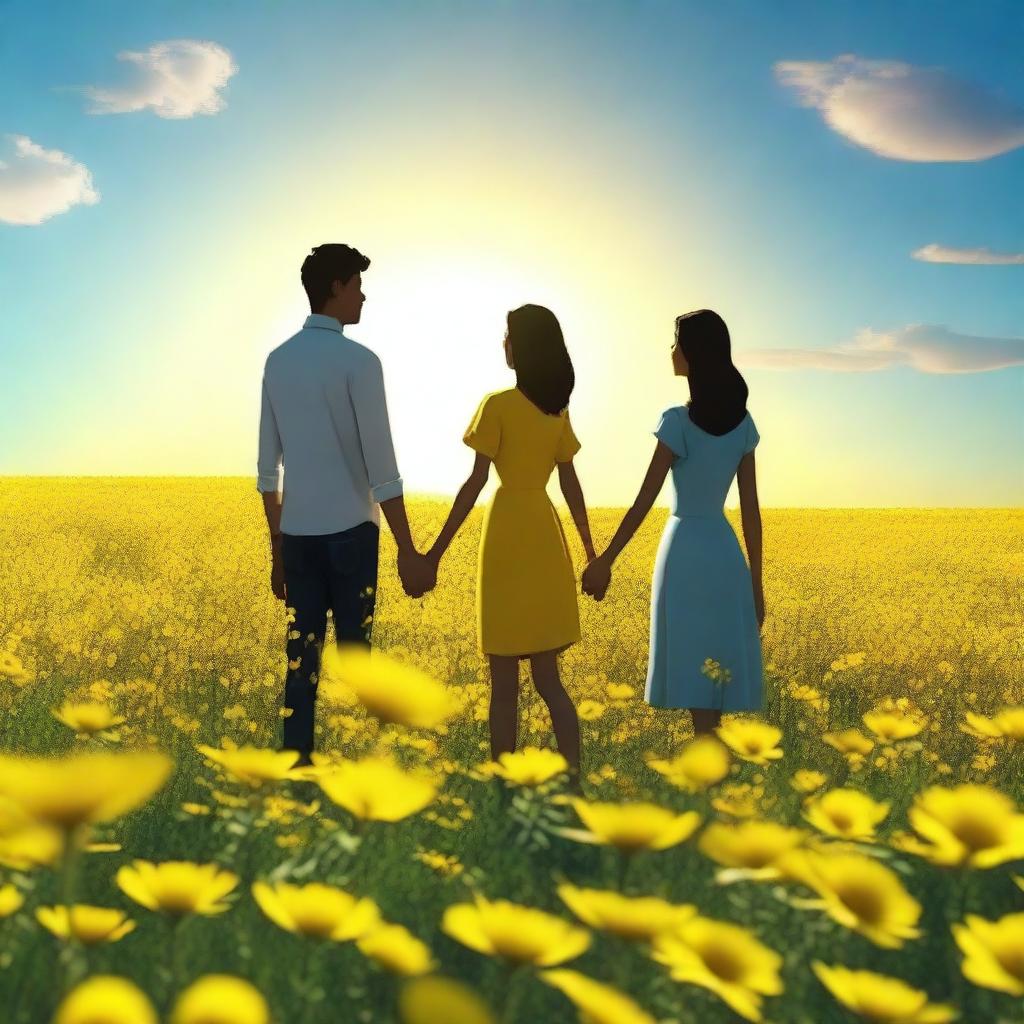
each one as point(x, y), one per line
point(707, 606)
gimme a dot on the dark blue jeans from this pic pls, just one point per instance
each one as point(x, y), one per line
point(330, 570)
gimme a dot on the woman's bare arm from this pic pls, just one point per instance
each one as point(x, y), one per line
point(573, 493)
point(461, 507)
point(750, 518)
point(661, 463)
point(598, 573)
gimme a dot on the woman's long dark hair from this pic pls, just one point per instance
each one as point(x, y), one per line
point(718, 392)
point(543, 368)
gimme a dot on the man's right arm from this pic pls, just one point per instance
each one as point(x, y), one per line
point(386, 487)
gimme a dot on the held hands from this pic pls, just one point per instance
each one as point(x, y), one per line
point(417, 572)
point(596, 577)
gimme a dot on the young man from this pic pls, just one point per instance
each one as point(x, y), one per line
point(324, 419)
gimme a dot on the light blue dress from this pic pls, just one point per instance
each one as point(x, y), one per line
point(702, 600)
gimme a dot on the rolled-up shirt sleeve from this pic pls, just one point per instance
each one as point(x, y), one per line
point(371, 409)
point(271, 455)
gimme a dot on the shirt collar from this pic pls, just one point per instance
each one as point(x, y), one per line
point(328, 323)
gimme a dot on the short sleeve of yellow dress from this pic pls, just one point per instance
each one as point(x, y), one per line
point(526, 584)
point(483, 435)
point(568, 442)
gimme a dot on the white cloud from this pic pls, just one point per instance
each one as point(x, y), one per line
point(924, 347)
point(935, 253)
point(905, 112)
point(176, 78)
point(37, 183)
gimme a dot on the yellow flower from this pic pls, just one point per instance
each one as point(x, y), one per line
point(11, 900)
point(254, 766)
point(444, 864)
point(520, 935)
point(431, 999)
point(13, 670)
point(598, 1003)
point(968, 825)
point(846, 814)
point(725, 958)
point(748, 849)
point(993, 952)
point(751, 740)
point(87, 717)
point(701, 763)
point(397, 950)
point(221, 999)
point(638, 918)
point(1008, 723)
point(82, 788)
point(177, 887)
point(89, 925)
point(590, 710)
point(317, 911)
point(881, 999)
point(858, 892)
point(889, 726)
point(530, 766)
point(392, 691)
point(851, 742)
point(632, 826)
point(105, 999)
point(619, 691)
point(376, 788)
point(806, 780)
point(31, 846)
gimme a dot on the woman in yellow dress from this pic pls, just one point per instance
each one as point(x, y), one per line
point(526, 588)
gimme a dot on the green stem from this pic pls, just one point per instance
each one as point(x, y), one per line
point(513, 994)
point(625, 863)
point(308, 974)
point(68, 948)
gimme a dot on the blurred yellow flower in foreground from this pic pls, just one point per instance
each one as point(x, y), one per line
point(851, 743)
point(12, 669)
point(637, 918)
point(969, 825)
point(87, 717)
point(376, 788)
point(89, 925)
point(221, 999)
point(890, 726)
point(748, 849)
point(518, 934)
point(82, 788)
point(317, 911)
point(105, 999)
point(632, 826)
point(531, 766)
point(598, 1003)
point(177, 887)
point(701, 763)
point(751, 739)
point(11, 900)
point(725, 958)
point(806, 780)
point(881, 999)
point(254, 766)
point(993, 952)
point(1007, 723)
point(392, 691)
point(847, 814)
point(858, 892)
point(431, 999)
point(397, 950)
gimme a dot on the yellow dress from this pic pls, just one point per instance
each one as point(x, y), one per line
point(526, 584)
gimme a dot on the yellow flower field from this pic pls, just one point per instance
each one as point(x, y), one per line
point(855, 852)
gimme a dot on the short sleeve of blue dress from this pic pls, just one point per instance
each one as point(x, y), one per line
point(752, 436)
point(670, 432)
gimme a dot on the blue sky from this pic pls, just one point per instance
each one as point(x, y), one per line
point(622, 163)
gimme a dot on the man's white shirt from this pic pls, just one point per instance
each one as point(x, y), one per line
point(324, 422)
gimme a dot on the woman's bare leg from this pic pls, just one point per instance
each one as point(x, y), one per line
point(544, 669)
point(504, 711)
point(705, 720)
